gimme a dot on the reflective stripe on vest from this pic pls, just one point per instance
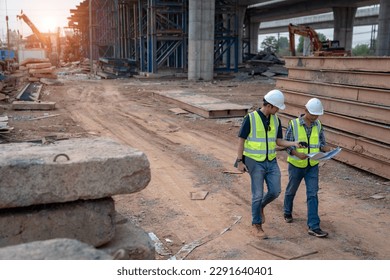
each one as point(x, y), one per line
point(255, 145)
point(314, 143)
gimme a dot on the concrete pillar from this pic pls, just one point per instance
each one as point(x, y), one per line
point(343, 25)
point(241, 19)
point(201, 40)
point(306, 46)
point(254, 37)
point(383, 41)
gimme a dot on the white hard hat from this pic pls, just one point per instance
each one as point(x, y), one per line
point(314, 106)
point(276, 98)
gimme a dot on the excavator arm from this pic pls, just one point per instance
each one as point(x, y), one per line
point(328, 48)
point(305, 31)
point(43, 39)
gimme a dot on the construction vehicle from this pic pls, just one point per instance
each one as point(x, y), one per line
point(319, 48)
point(44, 40)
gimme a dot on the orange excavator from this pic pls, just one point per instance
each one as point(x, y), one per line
point(327, 48)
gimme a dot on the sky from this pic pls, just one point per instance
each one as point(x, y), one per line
point(46, 15)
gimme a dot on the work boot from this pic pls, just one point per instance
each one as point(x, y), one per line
point(288, 218)
point(262, 216)
point(257, 231)
point(318, 232)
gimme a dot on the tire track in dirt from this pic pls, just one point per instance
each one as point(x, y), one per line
point(184, 159)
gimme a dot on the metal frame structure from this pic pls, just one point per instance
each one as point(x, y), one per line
point(226, 43)
point(162, 34)
point(153, 32)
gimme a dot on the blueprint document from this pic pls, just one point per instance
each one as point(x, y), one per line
point(324, 156)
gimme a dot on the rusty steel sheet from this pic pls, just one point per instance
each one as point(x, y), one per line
point(360, 145)
point(205, 106)
point(357, 151)
point(362, 79)
point(370, 64)
point(369, 164)
point(360, 94)
point(370, 130)
point(352, 109)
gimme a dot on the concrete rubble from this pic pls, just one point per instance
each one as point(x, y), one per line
point(65, 189)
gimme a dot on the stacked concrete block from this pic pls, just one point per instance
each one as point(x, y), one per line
point(64, 190)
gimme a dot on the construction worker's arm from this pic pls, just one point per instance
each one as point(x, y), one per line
point(284, 143)
point(239, 160)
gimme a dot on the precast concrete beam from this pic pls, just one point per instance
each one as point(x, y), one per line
point(53, 249)
point(90, 221)
point(69, 170)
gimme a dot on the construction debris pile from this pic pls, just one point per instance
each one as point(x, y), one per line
point(65, 189)
point(355, 92)
point(266, 64)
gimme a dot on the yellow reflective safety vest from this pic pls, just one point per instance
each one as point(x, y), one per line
point(313, 143)
point(259, 142)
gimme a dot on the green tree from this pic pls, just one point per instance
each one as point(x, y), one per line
point(361, 50)
point(321, 37)
point(270, 43)
point(283, 43)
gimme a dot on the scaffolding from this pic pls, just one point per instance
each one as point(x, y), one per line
point(226, 42)
point(152, 32)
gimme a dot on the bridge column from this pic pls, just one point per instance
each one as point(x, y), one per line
point(201, 40)
point(343, 25)
point(254, 37)
point(241, 20)
point(383, 44)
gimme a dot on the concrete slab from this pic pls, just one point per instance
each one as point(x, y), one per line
point(69, 170)
point(90, 221)
point(205, 106)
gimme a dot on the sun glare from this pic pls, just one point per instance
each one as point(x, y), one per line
point(48, 24)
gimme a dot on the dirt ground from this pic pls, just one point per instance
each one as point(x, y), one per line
point(189, 153)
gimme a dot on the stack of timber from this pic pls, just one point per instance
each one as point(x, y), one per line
point(39, 68)
point(355, 92)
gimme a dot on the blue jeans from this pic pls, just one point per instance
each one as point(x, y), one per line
point(295, 175)
point(269, 172)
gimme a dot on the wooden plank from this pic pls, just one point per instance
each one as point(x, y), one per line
point(363, 79)
point(38, 65)
point(352, 109)
point(359, 145)
point(203, 105)
point(370, 130)
point(282, 248)
point(31, 105)
point(370, 64)
point(361, 94)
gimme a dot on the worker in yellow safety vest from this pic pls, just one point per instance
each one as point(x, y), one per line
point(260, 133)
point(308, 131)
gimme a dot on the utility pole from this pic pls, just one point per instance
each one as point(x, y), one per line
point(90, 36)
point(6, 19)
